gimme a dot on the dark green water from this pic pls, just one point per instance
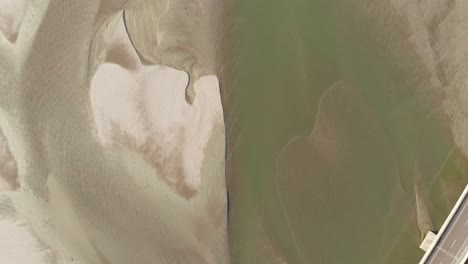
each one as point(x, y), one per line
point(338, 148)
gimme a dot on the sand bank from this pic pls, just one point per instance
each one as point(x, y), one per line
point(114, 165)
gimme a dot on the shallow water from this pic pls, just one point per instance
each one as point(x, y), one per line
point(339, 147)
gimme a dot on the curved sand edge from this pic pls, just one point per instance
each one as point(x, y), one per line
point(95, 204)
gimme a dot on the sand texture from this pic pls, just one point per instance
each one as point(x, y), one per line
point(102, 159)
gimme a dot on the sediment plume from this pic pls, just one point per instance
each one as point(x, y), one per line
point(114, 165)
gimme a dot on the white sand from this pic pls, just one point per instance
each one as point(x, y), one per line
point(114, 165)
point(136, 106)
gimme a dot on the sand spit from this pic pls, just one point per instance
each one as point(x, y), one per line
point(114, 165)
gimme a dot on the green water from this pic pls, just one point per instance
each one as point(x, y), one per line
point(345, 193)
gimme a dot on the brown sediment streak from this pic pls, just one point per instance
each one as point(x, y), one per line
point(169, 166)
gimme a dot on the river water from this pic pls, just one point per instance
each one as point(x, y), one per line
point(339, 148)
